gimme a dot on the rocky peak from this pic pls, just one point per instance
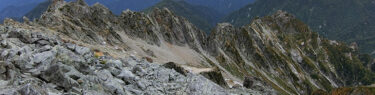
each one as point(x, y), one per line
point(282, 16)
point(127, 11)
point(223, 30)
point(98, 6)
point(55, 4)
point(9, 22)
point(285, 22)
point(354, 46)
point(81, 2)
point(223, 34)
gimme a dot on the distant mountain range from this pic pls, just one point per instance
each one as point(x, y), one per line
point(345, 20)
point(38, 10)
point(15, 11)
point(203, 13)
point(203, 17)
point(7, 3)
point(222, 6)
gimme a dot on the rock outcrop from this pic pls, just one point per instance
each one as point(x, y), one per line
point(216, 76)
point(176, 67)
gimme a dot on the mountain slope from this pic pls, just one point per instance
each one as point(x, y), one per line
point(202, 17)
point(345, 20)
point(38, 10)
point(276, 54)
point(7, 3)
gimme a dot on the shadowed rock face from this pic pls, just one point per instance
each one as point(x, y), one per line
point(278, 50)
point(176, 67)
point(215, 76)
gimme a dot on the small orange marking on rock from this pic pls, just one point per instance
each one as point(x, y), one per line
point(98, 53)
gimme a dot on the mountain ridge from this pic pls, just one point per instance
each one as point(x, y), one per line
point(276, 54)
point(15, 12)
point(295, 55)
point(203, 17)
point(325, 17)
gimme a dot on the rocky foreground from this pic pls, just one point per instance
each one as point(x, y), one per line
point(34, 63)
point(74, 48)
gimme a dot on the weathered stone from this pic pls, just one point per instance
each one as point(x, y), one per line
point(4, 54)
point(57, 74)
point(138, 71)
point(104, 75)
point(4, 44)
point(114, 71)
point(45, 48)
point(22, 35)
point(126, 75)
point(43, 42)
point(174, 66)
point(199, 84)
point(215, 76)
point(148, 59)
point(115, 86)
point(114, 63)
point(30, 89)
point(70, 46)
point(81, 50)
point(249, 81)
point(41, 57)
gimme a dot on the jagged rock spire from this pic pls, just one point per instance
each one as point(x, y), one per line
point(56, 1)
point(81, 2)
point(55, 4)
